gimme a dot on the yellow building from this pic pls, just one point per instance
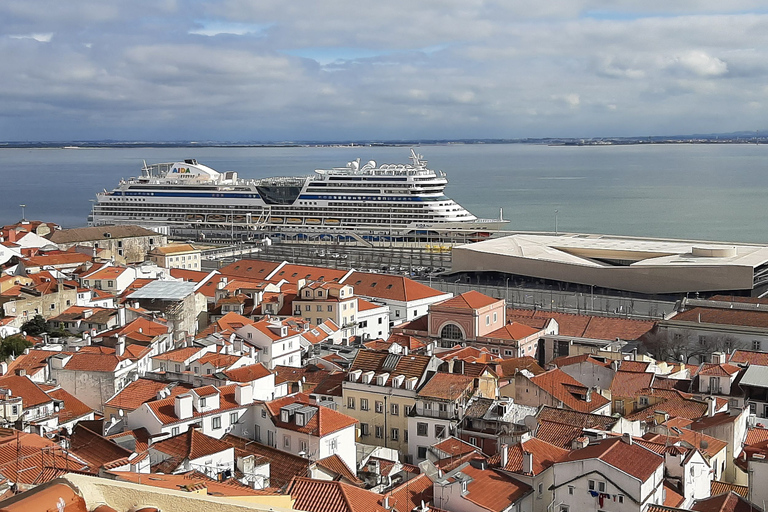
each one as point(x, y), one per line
point(176, 256)
point(317, 302)
point(380, 393)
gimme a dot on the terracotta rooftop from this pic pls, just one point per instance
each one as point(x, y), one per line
point(446, 386)
point(31, 363)
point(143, 390)
point(336, 464)
point(756, 435)
point(93, 362)
point(569, 391)
point(411, 493)
point(580, 358)
point(729, 502)
point(164, 409)
point(412, 365)
point(632, 459)
point(324, 496)
point(749, 356)
point(720, 316)
point(31, 459)
point(191, 445)
point(390, 287)
point(72, 408)
point(95, 449)
point(586, 326)
point(709, 446)
point(454, 447)
point(576, 418)
point(31, 394)
point(247, 373)
point(629, 384)
point(283, 466)
point(469, 300)
point(544, 456)
point(717, 488)
point(558, 434)
point(512, 331)
point(718, 370)
point(323, 422)
point(634, 366)
point(175, 249)
point(493, 490)
point(192, 481)
point(511, 366)
point(66, 236)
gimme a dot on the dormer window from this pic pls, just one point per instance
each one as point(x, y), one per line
point(307, 293)
point(284, 416)
point(300, 419)
point(202, 402)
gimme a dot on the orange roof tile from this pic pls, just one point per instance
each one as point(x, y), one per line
point(97, 450)
point(164, 409)
point(143, 390)
point(93, 362)
point(411, 493)
point(323, 422)
point(720, 316)
point(511, 366)
point(323, 496)
point(390, 287)
point(30, 393)
point(730, 502)
point(544, 456)
point(586, 326)
point(749, 356)
point(493, 490)
point(629, 384)
point(717, 487)
point(283, 466)
point(247, 373)
point(72, 409)
point(632, 459)
point(447, 386)
point(565, 388)
point(469, 300)
point(337, 465)
point(719, 370)
point(191, 444)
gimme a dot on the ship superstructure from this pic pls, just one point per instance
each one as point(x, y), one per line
point(367, 200)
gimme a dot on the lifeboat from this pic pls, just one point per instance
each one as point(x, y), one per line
point(314, 221)
point(276, 220)
point(332, 222)
point(294, 220)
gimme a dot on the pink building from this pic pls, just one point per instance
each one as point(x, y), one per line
point(466, 317)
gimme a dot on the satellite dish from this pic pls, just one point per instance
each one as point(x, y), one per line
point(704, 444)
point(245, 433)
point(531, 422)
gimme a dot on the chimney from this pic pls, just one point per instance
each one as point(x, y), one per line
point(504, 455)
point(386, 502)
point(86, 338)
point(87, 313)
point(527, 463)
point(121, 320)
point(710, 406)
point(588, 397)
point(182, 406)
point(244, 395)
point(627, 438)
point(120, 346)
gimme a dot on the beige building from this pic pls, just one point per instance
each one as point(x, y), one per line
point(176, 256)
point(317, 302)
point(380, 391)
point(128, 243)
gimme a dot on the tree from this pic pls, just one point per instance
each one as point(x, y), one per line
point(35, 327)
point(13, 346)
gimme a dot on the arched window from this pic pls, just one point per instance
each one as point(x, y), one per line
point(451, 332)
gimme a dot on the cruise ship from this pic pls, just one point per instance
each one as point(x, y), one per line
point(370, 201)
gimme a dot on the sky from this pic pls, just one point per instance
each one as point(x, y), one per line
point(269, 70)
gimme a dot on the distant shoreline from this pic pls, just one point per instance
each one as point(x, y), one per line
point(602, 141)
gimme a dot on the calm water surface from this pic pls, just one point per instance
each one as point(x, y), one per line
point(708, 192)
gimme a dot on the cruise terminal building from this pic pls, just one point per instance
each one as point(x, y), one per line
point(643, 266)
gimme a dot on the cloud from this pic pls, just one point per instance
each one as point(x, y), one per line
point(237, 69)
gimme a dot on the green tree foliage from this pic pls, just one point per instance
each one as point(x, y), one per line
point(35, 327)
point(13, 345)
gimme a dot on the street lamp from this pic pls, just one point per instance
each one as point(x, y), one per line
point(507, 290)
point(556, 233)
point(22, 211)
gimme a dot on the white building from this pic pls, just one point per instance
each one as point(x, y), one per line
point(278, 341)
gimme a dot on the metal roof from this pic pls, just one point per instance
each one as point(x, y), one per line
point(168, 290)
point(755, 376)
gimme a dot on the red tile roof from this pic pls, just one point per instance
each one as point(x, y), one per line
point(247, 373)
point(579, 358)
point(718, 370)
point(95, 449)
point(629, 384)
point(390, 287)
point(633, 459)
point(412, 365)
point(164, 409)
point(72, 407)
point(323, 496)
point(493, 490)
point(31, 394)
point(544, 456)
point(447, 386)
point(411, 493)
point(716, 488)
point(749, 356)
point(93, 362)
point(634, 366)
point(143, 390)
point(191, 445)
point(720, 316)
point(586, 326)
point(325, 421)
point(31, 459)
point(558, 434)
point(730, 502)
point(756, 435)
point(336, 464)
point(191, 481)
point(565, 388)
point(454, 447)
point(283, 466)
point(511, 366)
point(512, 331)
point(469, 300)
point(672, 498)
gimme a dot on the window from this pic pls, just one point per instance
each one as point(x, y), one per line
point(15, 410)
point(643, 400)
point(216, 422)
point(308, 308)
point(303, 447)
point(380, 320)
point(621, 498)
point(755, 345)
point(263, 413)
point(473, 441)
point(601, 486)
point(232, 418)
point(363, 404)
point(202, 402)
point(363, 429)
point(287, 442)
point(379, 407)
point(487, 319)
point(350, 402)
point(451, 332)
point(570, 489)
point(394, 409)
point(110, 284)
point(405, 435)
point(300, 419)
point(330, 308)
point(178, 367)
point(422, 452)
point(175, 431)
point(379, 432)
point(439, 431)
point(421, 429)
point(541, 489)
point(495, 317)
point(395, 434)
point(319, 307)
point(507, 352)
point(591, 485)
point(564, 508)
